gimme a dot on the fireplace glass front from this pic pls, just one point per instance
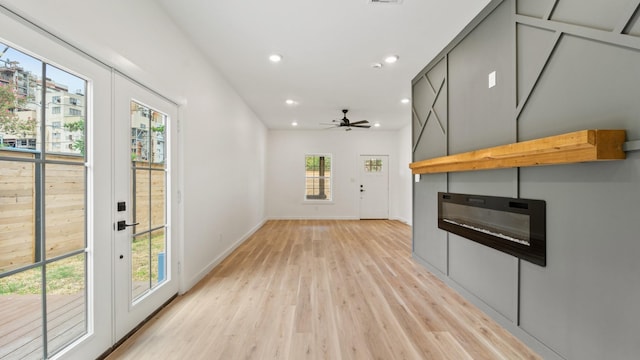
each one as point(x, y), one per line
point(514, 226)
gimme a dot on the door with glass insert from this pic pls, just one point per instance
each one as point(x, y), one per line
point(145, 238)
point(44, 253)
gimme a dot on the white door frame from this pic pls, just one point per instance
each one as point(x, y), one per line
point(378, 215)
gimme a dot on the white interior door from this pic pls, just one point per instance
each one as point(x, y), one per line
point(145, 213)
point(374, 186)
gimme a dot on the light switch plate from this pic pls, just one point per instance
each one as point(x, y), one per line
point(492, 79)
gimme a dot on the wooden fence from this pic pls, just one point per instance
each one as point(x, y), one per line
point(64, 187)
point(64, 215)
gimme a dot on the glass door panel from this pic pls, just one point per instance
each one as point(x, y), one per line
point(146, 263)
point(43, 196)
point(149, 197)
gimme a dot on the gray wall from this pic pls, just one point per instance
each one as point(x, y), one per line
point(561, 66)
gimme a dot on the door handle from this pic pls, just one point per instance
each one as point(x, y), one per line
point(121, 225)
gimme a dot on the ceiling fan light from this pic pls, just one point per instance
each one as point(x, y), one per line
point(376, 124)
point(290, 102)
point(391, 59)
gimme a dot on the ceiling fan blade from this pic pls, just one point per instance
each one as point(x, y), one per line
point(360, 122)
point(361, 126)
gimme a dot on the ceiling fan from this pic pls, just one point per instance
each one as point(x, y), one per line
point(345, 123)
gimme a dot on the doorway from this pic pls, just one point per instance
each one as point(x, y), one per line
point(374, 186)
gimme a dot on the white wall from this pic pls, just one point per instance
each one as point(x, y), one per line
point(404, 202)
point(223, 141)
point(285, 176)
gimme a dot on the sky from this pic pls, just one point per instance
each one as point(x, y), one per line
point(34, 65)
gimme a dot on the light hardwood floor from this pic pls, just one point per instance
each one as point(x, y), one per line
point(322, 290)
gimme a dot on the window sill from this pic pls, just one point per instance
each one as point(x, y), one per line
point(317, 202)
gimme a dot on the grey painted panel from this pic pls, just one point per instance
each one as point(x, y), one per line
point(489, 274)
point(587, 84)
point(531, 58)
point(580, 12)
point(584, 304)
point(434, 141)
point(486, 182)
point(422, 98)
point(438, 73)
point(429, 242)
point(473, 107)
point(537, 8)
point(415, 127)
point(441, 110)
point(634, 27)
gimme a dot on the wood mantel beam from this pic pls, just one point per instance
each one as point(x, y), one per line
point(579, 146)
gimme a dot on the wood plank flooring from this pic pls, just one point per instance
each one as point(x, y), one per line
point(21, 323)
point(322, 290)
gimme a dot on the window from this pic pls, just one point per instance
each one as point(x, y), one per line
point(373, 165)
point(318, 177)
point(75, 112)
point(55, 99)
point(73, 101)
point(55, 110)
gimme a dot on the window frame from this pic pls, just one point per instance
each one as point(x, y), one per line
point(329, 199)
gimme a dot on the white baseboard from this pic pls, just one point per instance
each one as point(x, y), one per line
point(403, 220)
point(313, 218)
point(187, 285)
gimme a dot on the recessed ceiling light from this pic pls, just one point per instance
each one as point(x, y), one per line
point(405, 101)
point(275, 58)
point(391, 59)
point(294, 123)
point(290, 102)
point(377, 66)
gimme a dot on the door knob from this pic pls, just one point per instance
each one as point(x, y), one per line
point(123, 225)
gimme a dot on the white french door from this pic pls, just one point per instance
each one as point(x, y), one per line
point(374, 186)
point(145, 186)
point(77, 140)
point(55, 181)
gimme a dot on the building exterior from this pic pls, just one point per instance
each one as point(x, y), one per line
point(64, 114)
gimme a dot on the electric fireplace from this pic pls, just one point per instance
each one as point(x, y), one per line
point(514, 226)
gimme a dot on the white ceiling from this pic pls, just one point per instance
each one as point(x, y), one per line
point(328, 49)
